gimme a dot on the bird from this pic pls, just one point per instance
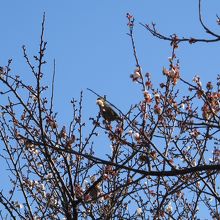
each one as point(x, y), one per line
point(94, 192)
point(106, 111)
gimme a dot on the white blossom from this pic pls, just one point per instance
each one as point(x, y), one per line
point(156, 95)
point(196, 78)
point(139, 211)
point(136, 75)
point(193, 163)
point(130, 132)
point(136, 136)
point(169, 208)
point(182, 106)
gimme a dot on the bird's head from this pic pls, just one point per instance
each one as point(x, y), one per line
point(100, 101)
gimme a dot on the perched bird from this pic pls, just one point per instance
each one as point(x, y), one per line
point(95, 192)
point(107, 112)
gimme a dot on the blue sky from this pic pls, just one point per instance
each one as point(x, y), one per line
point(89, 42)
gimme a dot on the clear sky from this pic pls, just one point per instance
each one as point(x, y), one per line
point(89, 42)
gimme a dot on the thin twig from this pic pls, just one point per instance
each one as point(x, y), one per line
point(52, 89)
